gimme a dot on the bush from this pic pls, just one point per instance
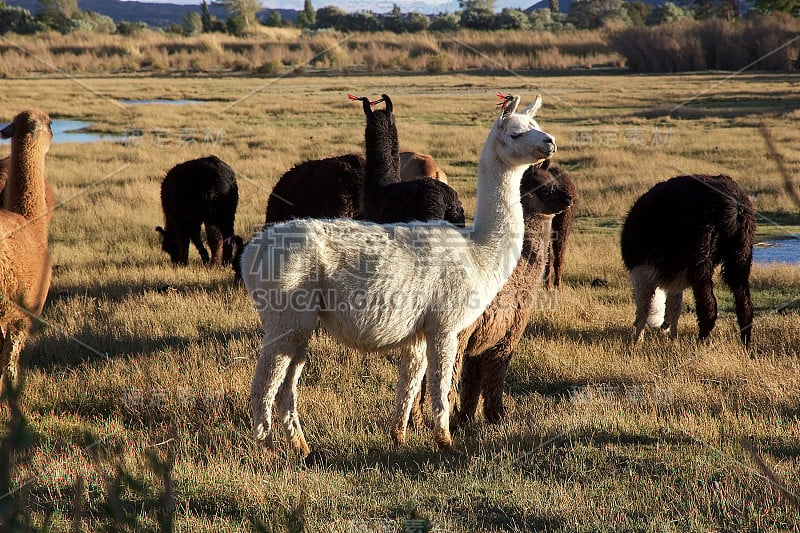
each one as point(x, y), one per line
point(593, 14)
point(131, 28)
point(17, 20)
point(416, 22)
point(547, 20)
point(511, 19)
point(445, 22)
point(438, 63)
point(192, 23)
point(477, 18)
point(667, 13)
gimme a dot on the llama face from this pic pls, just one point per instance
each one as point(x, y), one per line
point(520, 140)
point(543, 193)
point(32, 123)
point(171, 244)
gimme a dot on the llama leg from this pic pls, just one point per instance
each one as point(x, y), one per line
point(197, 240)
point(706, 305)
point(673, 312)
point(183, 253)
point(493, 379)
point(442, 351)
point(287, 404)
point(548, 266)
point(215, 244)
point(643, 279)
point(470, 388)
point(9, 358)
point(737, 276)
point(270, 374)
point(409, 381)
point(417, 420)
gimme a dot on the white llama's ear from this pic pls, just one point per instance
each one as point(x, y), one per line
point(533, 107)
point(510, 107)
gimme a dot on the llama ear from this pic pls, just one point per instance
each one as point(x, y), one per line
point(388, 101)
point(533, 107)
point(7, 132)
point(509, 107)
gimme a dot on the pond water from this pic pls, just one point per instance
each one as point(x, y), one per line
point(69, 131)
point(161, 101)
point(779, 251)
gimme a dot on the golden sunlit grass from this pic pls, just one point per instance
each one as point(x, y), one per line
point(144, 357)
point(281, 50)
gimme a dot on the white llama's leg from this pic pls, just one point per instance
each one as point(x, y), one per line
point(409, 382)
point(673, 313)
point(643, 279)
point(276, 357)
point(287, 403)
point(442, 351)
point(15, 336)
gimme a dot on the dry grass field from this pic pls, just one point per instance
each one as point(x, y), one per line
point(138, 376)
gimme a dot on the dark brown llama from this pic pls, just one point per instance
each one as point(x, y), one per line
point(194, 193)
point(387, 199)
point(562, 227)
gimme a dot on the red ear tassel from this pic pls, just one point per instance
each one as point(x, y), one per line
point(504, 98)
point(371, 104)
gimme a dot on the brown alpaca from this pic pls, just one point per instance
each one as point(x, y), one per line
point(414, 165)
point(486, 346)
point(24, 220)
point(562, 226)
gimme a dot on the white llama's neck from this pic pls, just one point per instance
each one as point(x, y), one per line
point(498, 214)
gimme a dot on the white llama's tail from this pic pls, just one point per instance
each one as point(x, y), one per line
point(658, 306)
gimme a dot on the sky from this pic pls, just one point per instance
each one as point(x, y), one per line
point(378, 6)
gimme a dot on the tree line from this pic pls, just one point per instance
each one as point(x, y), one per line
point(242, 15)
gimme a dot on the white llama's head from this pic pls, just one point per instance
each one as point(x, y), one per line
point(518, 138)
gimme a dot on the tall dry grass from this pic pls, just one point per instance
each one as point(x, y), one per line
point(711, 44)
point(278, 50)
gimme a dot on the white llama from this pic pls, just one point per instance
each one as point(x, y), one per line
point(374, 287)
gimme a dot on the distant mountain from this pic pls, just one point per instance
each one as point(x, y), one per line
point(155, 15)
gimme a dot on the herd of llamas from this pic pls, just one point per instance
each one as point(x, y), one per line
point(381, 257)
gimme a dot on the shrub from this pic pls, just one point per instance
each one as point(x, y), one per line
point(16, 19)
point(511, 19)
point(416, 22)
point(445, 22)
point(666, 13)
point(438, 63)
point(597, 13)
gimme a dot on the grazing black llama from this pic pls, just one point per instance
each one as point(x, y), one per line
point(197, 192)
point(674, 237)
point(387, 199)
point(562, 227)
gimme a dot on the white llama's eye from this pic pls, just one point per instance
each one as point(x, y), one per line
point(515, 135)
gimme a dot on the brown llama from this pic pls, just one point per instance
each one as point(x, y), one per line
point(674, 237)
point(486, 346)
point(414, 165)
point(24, 221)
point(562, 227)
